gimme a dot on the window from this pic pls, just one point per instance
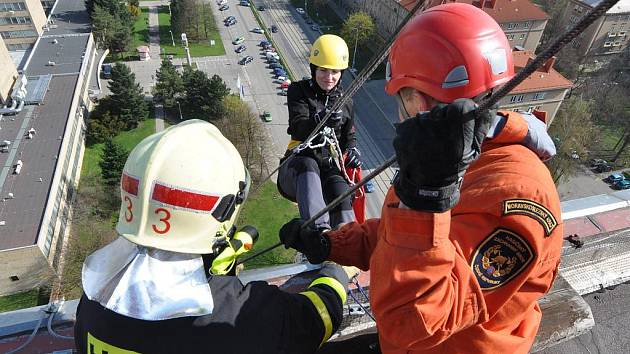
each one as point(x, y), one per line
point(511, 26)
point(616, 44)
point(527, 24)
point(574, 19)
point(607, 44)
point(517, 98)
point(18, 46)
point(621, 34)
point(522, 36)
point(14, 278)
point(612, 34)
point(18, 34)
point(12, 6)
point(20, 20)
point(539, 95)
point(510, 37)
point(578, 9)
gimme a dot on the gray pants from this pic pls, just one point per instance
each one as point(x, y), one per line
point(312, 187)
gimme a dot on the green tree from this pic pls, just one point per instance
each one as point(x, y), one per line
point(113, 162)
point(112, 24)
point(169, 86)
point(573, 132)
point(203, 96)
point(358, 29)
point(127, 97)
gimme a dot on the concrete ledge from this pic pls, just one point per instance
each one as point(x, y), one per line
point(25, 320)
point(577, 208)
point(565, 316)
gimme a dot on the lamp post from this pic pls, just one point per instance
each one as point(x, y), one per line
point(172, 39)
point(181, 118)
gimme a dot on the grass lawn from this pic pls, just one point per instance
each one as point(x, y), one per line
point(18, 301)
point(127, 139)
point(197, 49)
point(268, 211)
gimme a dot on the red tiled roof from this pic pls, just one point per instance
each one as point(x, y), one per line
point(540, 80)
point(501, 10)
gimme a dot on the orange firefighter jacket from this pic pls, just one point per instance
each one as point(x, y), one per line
point(466, 280)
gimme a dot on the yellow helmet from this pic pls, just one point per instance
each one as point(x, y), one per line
point(330, 52)
point(182, 189)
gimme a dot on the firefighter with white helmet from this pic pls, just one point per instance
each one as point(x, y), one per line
point(470, 232)
point(317, 174)
point(168, 284)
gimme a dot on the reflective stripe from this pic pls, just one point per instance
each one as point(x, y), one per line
point(293, 143)
point(96, 346)
point(333, 283)
point(323, 313)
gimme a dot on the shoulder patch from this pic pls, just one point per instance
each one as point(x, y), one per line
point(499, 258)
point(532, 209)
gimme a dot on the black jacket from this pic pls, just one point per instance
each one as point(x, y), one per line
point(305, 99)
point(256, 318)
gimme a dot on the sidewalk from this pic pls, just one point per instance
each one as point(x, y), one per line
point(154, 49)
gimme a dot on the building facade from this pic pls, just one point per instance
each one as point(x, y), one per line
point(608, 35)
point(8, 73)
point(543, 90)
point(521, 20)
point(21, 22)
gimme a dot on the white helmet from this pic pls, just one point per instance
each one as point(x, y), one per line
point(181, 189)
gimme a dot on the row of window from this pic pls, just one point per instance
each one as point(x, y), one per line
point(18, 34)
point(17, 20)
point(18, 46)
point(530, 109)
point(612, 44)
point(615, 34)
point(511, 36)
point(520, 98)
point(515, 25)
point(12, 6)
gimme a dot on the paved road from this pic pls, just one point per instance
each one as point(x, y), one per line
point(585, 183)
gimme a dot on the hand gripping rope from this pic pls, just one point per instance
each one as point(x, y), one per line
point(550, 51)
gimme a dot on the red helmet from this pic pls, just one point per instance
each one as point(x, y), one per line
point(448, 52)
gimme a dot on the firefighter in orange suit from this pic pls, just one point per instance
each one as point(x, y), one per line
point(470, 233)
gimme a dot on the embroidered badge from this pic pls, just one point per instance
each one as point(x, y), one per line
point(499, 258)
point(532, 209)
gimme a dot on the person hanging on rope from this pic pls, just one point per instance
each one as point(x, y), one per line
point(168, 284)
point(470, 233)
point(316, 175)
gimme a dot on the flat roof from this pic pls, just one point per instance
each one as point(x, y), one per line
point(620, 7)
point(65, 45)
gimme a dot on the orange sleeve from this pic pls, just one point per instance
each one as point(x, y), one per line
point(423, 290)
point(353, 243)
point(514, 131)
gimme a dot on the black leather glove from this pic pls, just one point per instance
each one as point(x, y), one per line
point(434, 149)
point(353, 158)
point(313, 243)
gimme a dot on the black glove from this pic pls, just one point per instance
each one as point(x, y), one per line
point(335, 119)
point(353, 158)
point(313, 243)
point(434, 149)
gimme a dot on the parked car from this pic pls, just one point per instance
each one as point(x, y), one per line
point(315, 27)
point(623, 184)
point(221, 2)
point(229, 18)
point(309, 21)
point(285, 84)
point(238, 41)
point(284, 92)
point(106, 71)
point(275, 66)
point(266, 116)
point(595, 162)
point(258, 30)
point(248, 59)
point(369, 187)
point(261, 8)
point(244, 3)
point(281, 78)
point(300, 10)
point(603, 168)
point(224, 7)
point(279, 71)
point(274, 29)
point(230, 23)
point(614, 178)
point(240, 49)
point(264, 43)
